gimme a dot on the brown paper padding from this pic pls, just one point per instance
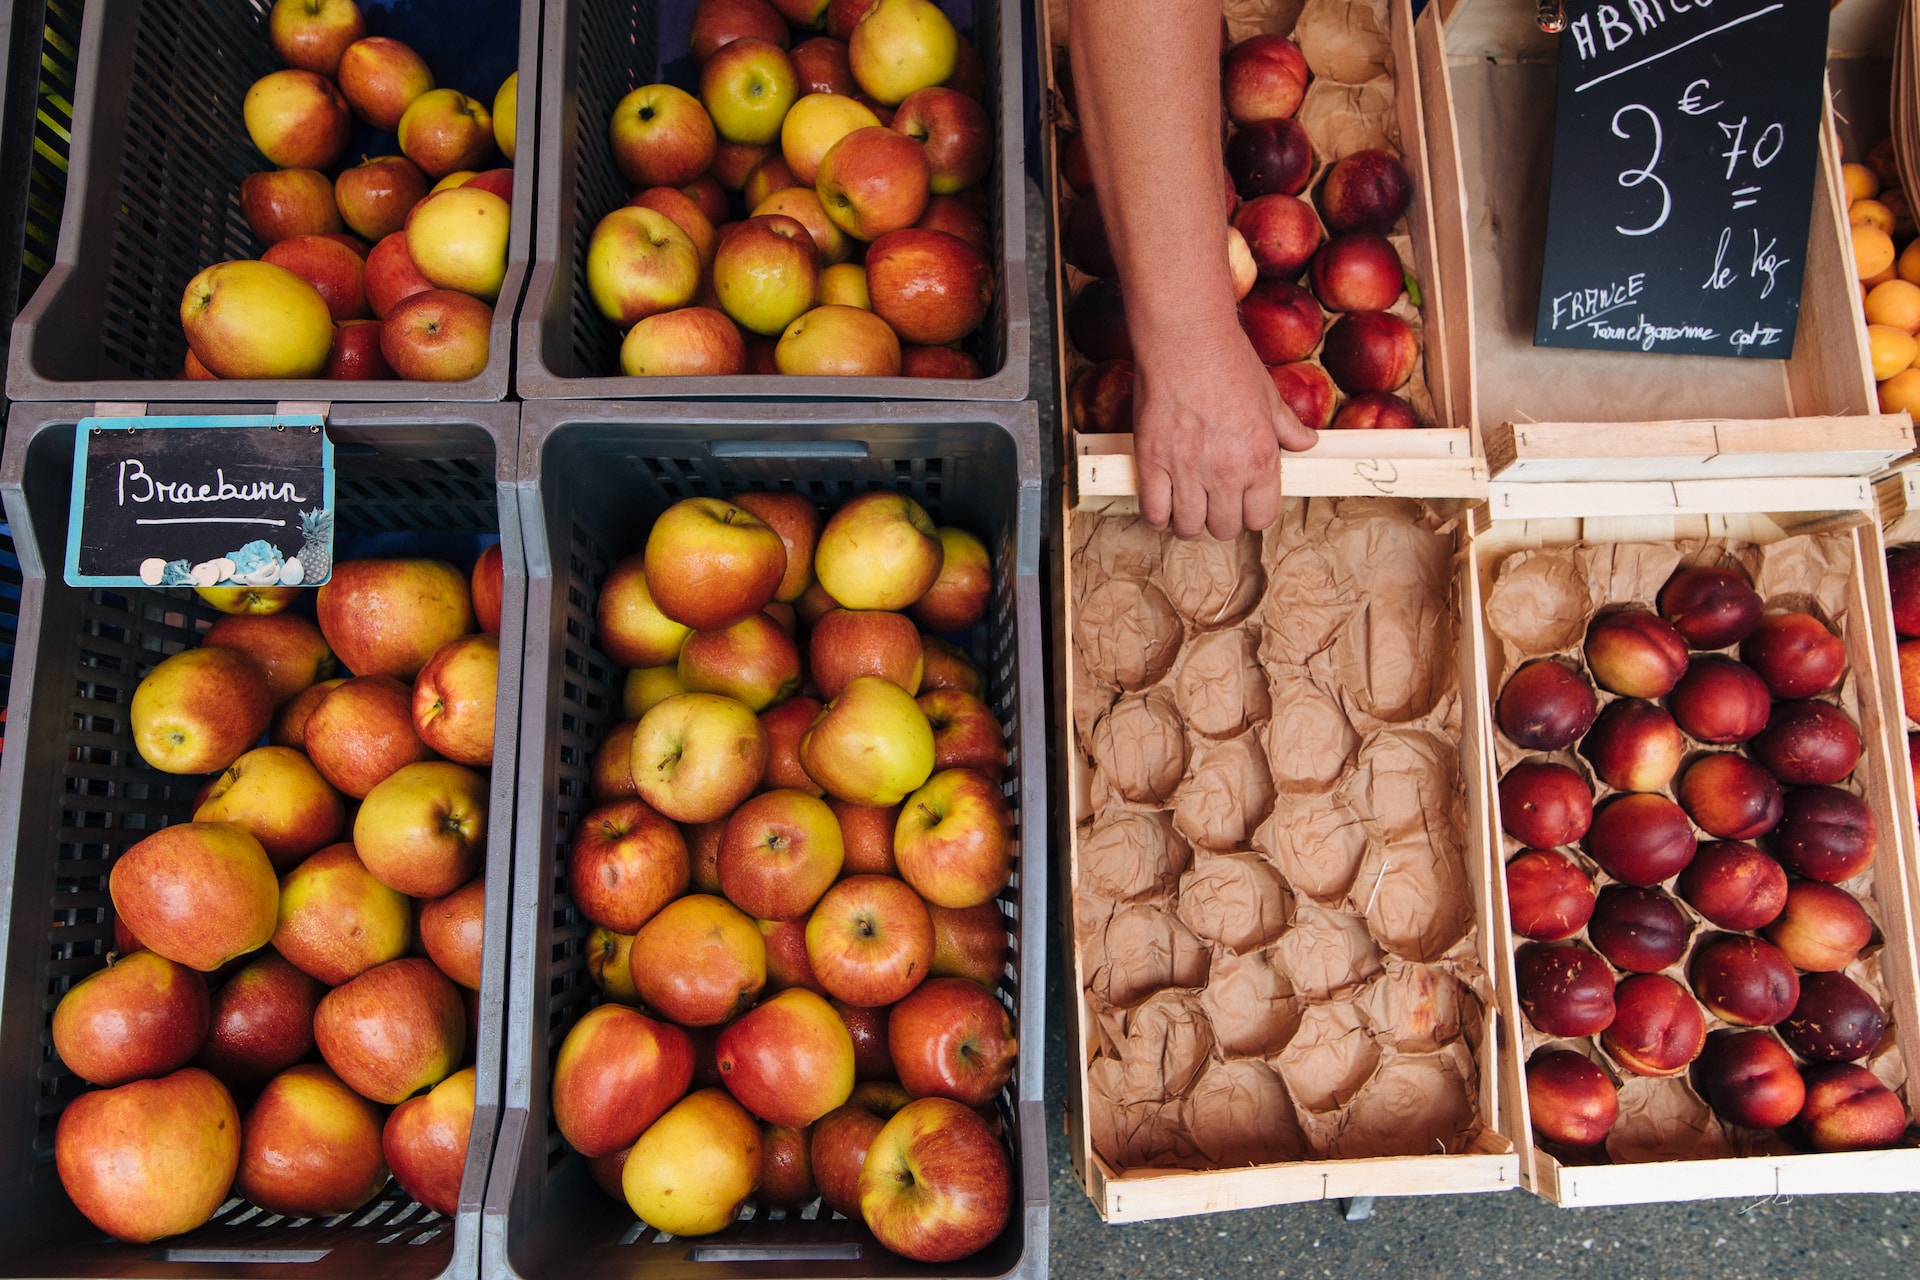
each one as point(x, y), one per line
point(1344, 118)
point(1213, 584)
point(1234, 901)
point(1345, 40)
point(1310, 596)
point(1310, 741)
point(1239, 1114)
point(1140, 949)
point(1219, 687)
point(1412, 885)
point(1326, 952)
point(1414, 1007)
point(1420, 1105)
point(1141, 749)
point(1132, 854)
point(1227, 794)
point(1134, 1135)
point(1329, 1058)
point(1317, 843)
point(1128, 633)
point(1251, 1004)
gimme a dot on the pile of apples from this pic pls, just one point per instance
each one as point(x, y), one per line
point(268, 926)
point(1274, 240)
point(864, 250)
point(318, 303)
point(1886, 258)
point(796, 927)
point(1793, 1026)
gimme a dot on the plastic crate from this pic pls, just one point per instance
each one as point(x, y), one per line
point(38, 43)
point(593, 477)
point(159, 152)
point(74, 795)
point(595, 51)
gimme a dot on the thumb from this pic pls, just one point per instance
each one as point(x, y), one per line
point(1293, 434)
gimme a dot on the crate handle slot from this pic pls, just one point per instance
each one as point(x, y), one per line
point(239, 1255)
point(774, 1253)
point(787, 448)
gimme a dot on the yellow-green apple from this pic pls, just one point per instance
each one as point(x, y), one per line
point(844, 284)
point(789, 1061)
point(498, 182)
point(380, 78)
point(960, 218)
point(387, 617)
point(765, 272)
point(879, 551)
point(937, 362)
point(616, 1073)
point(609, 964)
point(454, 697)
point(689, 1173)
point(629, 627)
point(786, 1173)
point(842, 1138)
point(297, 119)
point(289, 648)
point(842, 17)
point(847, 643)
point(458, 178)
point(785, 725)
point(707, 192)
point(867, 833)
point(871, 745)
point(626, 863)
point(453, 929)
point(753, 661)
point(802, 204)
point(613, 765)
point(873, 181)
point(261, 1021)
point(867, 1024)
point(770, 175)
point(970, 942)
point(844, 342)
point(459, 241)
point(391, 276)
point(141, 1016)
point(281, 203)
point(900, 46)
point(199, 710)
point(711, 563)
point(931, 287)
point(199, 893)
point(312, 34)
point(1264, 77)
point(423, 830)
point(700, 961)
point(443, 130)
point(958, 597)
point(661, 136)
point(966, 733)
point(719, 22)
point(703, 854)
point(952, 1038)
point(639, 263)
point(697, 755)
point(310, 1146)
point(747, 87)
point(645, 688)
point(506, 114)
point(814, 123)
point(870, 940)
point(956, 133)
point(278, 797)
point(437, 336)
point(337, 921)
point(780, 852)
point(426, 1138)
point(937, 1184)
point(362, 732)
point(822, 66)
point(152, 1158)
point(487, 584)
point(685, 213)
point(955, 839)
point(256, 320)
point(336, 272)
point(289, 727)
point(392, 1031)
point(248, 599)
point(794, 517)
point(786, 943)
point(948, 667)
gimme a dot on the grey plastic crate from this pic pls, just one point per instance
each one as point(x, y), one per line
point(38, 43)
point(74, 795)
point(593, 477)
point(595, 51)
point(158, 154)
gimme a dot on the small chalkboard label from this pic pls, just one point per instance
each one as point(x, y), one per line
point(201, 502)
point(1685, 149)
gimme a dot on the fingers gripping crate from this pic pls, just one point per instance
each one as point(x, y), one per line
point(594, 52)
point(593, 478)
point(77, 795)
point(159, 151)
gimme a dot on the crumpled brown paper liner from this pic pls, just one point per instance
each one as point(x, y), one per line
point(1228, 793)
point(1414, 1008)
point(1415, 1105)
point(1213, 584)
point(1131, 853)
point(1397, 656)
point(1251, 1005)
point(1310, 596)
point(1663, 1119)
point(1128, 633)
point(1141, 749)
point(1317, 843)
point(1090, 701)
point(1326, 952)
point(1234, 901)
point(1239, 1114)
point(1329, 1058)
point(1138, 949)
point(1345, 40)
point(1123, 547)
point(1412, 885)
point(1220, 688)
point(1136, 1135)
point(1341, 119)
point(1310, 740)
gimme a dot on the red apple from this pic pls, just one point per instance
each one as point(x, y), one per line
point(954, 842)
point(878, 551)
point(1639, 930)
point(198, 893)
point(956, 133)
point(336, 920)
point(1546, 705)
point(789, 1060)
point(335, 271)
point(453, 930)
point(392, 1031)
point(437, 336)
point(391, 277)
point(289, 727)
point(793, 516)
point(1264, 77)
point(931, 287)
point(1545, 805)
point(781, 851)
point(873, 181)
point(310, 1147)
point(870, 940)
point(1711, 608)
point(958, 217)
point(718, 22)
point(697, 755)
point(947, 666)
point(283, 203)
point(952, 1038)
point(1370, 351)
point(1282, 322)
point(959, 595)
point(966, 733)
point(423, 830)
point(937, 1184)
point(1564, 990)
point(1744, 981)
point(200, 710)
point(970, 942)
point(867, 833)
point(312, 34)
point(1571, 1100)
point(937, 362)
point(362, 732)
point(1548, 896)
point(787, 964)
point(822, 66)
point(1270, 156)
point(753, 661)
point(426, 1140)
point(867, 1024)
point(277, 797)
point(356, 355)
point(1730, 797)
point(454, 699)
point(785, 725)
point(841, 1139)
point(699, 961)
point(381, 78)
point(297, 118)
point(1306, 390)
point(710, 563)
point(626, 863)
point(376, 195)
point(152, 1158)
point(786, 1176)
point(848, 643)
point(444, 132)
point(616, 1073)
point(142, 1016)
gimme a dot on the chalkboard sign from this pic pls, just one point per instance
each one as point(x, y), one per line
point(201, 502)
point(1685, 150)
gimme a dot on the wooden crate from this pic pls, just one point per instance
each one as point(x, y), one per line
point(1439, 461)
point(1133, 1196)
point(1487, 91)
point(1898, 496)
point(1774, 509)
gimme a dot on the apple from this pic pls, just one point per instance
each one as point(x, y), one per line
point(1358, 271)
point(1264, 77)
point(1545, 706)
point(198, 893)
point(958, 217)
point(842, 17)
point(506, 114)
point(789, 1060)
point(387, 617)
point(692, 1168)
point(873, 181)
point(152, 1158)
point(692, 342)
point(697, 755)
point(786, 1178)
point(278, 797)
point(870, 940)
point(1849, 1109)
point(391, 276)
point(289, 727)
point(970, 942)
point(141, 1016)
point(1270, 157)
point(426, 1138)
point(932, 288)
point(766, 272)
point(609, 964)
point(712, 563)
point(1370, 351)
point(966, 733)
point(866, 831)
point(297, 119)
point(362, 732)
point(625, 864)
point(844, 284)
point(814, 123)
point(707, 192)
point(260, 1021)
point(1571, 1100)
point(839, 341)
point(956, 133)
point(848, 643)
point(453, 930)
point(356, 354)
point(661, 136)
point(454, 698)
point(718, 22)
point(645, 688)
point(1097, 322)
point(282, 203)
point(289, 648)
point(310, 1146)
point(256, 320)
point(954, 842)
point(785, 724)
point(607, 1171)
point(381, 78)
point(312, 34)
point(787, 964)
point(459, 241)
point(1565, 990)
point(630, 628)
point(1710, 607)
point(337, 921)
point(1281, 320)
point(392, 1031)
point(802, 204)
point(841, 1139)
point(1365, 191)
point(699, 961)
point(444, 131)
point(871, 745)
point(879, 551)
point(1549, 898)
point(747, 87)
point(900, 46)
point(703, 853)
point(793, 516)
point(640, 263)
point(733, 162)
point(617, 1072)
point(937, 1184)
point(952, 1038)
point(423, 830)
point(438, 336)
point(822, 65)
point(781, 851)
point(685, 213)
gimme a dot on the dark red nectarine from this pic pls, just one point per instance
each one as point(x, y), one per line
point(1720, 701)
point(1824, 834)
point(1546, 705)
point(1375, 411)
point(1641, 838)
point(1545, 805)
point(1639, 930)
point(1903, 577)
point(1548, 896)
point(1835, 1020)
point(1657, 1029)
point(1370, 351)
point(1807, 744)
point(1734, 885)
point(1571, 1100)
point(1634, 746)
point(1564, 990)
point(1822, 928)
point(1712, 608)
point(1795, 654)
point(1848, 1109)
point(1744, 981)
point(1730, 796)
point(1750, 1079)
point(1635, 654)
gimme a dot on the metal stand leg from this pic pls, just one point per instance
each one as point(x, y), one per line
point(1357, 1209)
